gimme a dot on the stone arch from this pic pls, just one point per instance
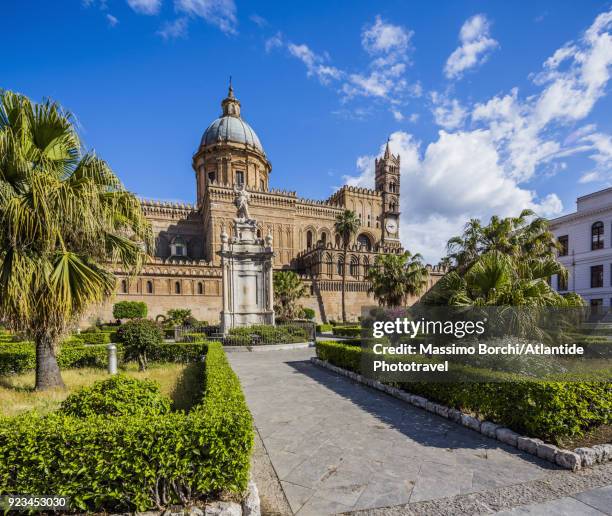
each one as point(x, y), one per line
point(354, 266)
point(365, 241)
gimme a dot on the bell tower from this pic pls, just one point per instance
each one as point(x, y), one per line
point(387, 181)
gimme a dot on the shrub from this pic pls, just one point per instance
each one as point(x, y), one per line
point(95, 338)
point(266, 334)
point(309, 313)
point(129, 310)
point(347, 331)
point(321, 328)
point(178, 316)
point(139, 337)
point(118, 395)
point(135, 462)
point(548, 409)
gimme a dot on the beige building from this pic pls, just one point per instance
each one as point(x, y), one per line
point(185, 271)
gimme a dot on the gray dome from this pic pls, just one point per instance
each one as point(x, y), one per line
point(231, 129)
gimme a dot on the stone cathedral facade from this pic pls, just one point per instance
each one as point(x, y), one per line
point(185, 271)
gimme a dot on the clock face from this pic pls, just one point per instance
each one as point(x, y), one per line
point(391, 226)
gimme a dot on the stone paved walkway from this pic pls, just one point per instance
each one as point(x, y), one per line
point(337, 446)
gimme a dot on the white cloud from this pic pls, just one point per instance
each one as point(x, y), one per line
point(149, 7)
point(456, 178)
point(414, 118)
point(175, 29)
point(448, 113)
point(221, 13)
point(112, 21)
point(476, 45)
point(386, 38)
point(315, 63)
point(273, 42)
point(397, 115)
point(260, 21)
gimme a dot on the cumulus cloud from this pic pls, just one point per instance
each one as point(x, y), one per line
point(448, 113)
point(453, 179)
point(149, 7)
point(476, 46)
point(220, 13)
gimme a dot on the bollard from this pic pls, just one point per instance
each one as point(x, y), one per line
point(112, 359)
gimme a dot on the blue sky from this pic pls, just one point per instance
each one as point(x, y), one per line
point(493, 106)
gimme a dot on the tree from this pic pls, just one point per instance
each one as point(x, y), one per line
point(67, 223)
point(288, 289)
point(347, 224)
point(130, 310)
point(395, 277)
point(139, 337)
point(178, 316)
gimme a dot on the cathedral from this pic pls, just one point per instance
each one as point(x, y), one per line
point(185, 270)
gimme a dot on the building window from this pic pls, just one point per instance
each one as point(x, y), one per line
point(338, 240)
point(392, 187)
point(369, 220)
point(262, 185)
point(177, 287)
point(124, 288)
point(564, 243)
point(149, 287)
point(354, 267)
point(596, 306)
point(324, 238)
point(178, 247)
point(597, 236)
point(597, 276)
point(308, 239)
point(211, 177)
point(259, 233)
point(240, 178)
point(200, 288)
point(340, 266)
point(364, 242)
point(561, 282)
point(330, 265)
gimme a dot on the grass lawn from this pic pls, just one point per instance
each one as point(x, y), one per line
point(183, 383)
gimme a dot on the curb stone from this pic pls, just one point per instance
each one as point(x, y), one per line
point(567, 459)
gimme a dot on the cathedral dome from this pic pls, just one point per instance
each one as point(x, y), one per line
point(230, 127)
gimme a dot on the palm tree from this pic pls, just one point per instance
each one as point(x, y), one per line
point(347, 224)
point(395, 277)
point(288, 289)
point(66, 223)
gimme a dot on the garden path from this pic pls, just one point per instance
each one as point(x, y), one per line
point(339, 446)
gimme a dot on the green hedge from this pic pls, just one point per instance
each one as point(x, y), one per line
point(21, 357)
point(129, 310)
point(125, 463)
point(324, 327)
point(347, 331)
point(95, 338)
point(283, 334)
point(550, 409)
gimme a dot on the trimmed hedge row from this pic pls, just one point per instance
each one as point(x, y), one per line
point(265, 334)
point(135, 462)
point(21, 357)
point(550, 409)
point(324, 327)
point(347, 331)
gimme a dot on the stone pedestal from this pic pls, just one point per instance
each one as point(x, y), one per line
point(246, 263)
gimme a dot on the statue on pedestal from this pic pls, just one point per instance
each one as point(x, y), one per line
point(242, 203)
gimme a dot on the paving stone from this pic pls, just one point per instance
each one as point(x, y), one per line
point(528, 444)
point(568, 460)
point(505, 435)
point(561, 507)
point(489, 429)
point(547, 451)
point(599, 498)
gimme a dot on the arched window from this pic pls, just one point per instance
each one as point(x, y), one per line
point(262, 185)
point(124, 287)
point(149, 287)
point(338, 240)
point(366, 265)
point(354, 268)
point(324, 238)
point(200, 288)
point(177, 287)
point(392, 187)
point(308, 239)
point(259, 233)
point(597, 236)
point(364, 242)
point(340, 266)
point(240, 178)
point(329, 261)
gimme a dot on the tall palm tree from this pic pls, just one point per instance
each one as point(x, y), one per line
point(65, 223)
point(347, 224)
point(395, 277)
point(288, 289)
